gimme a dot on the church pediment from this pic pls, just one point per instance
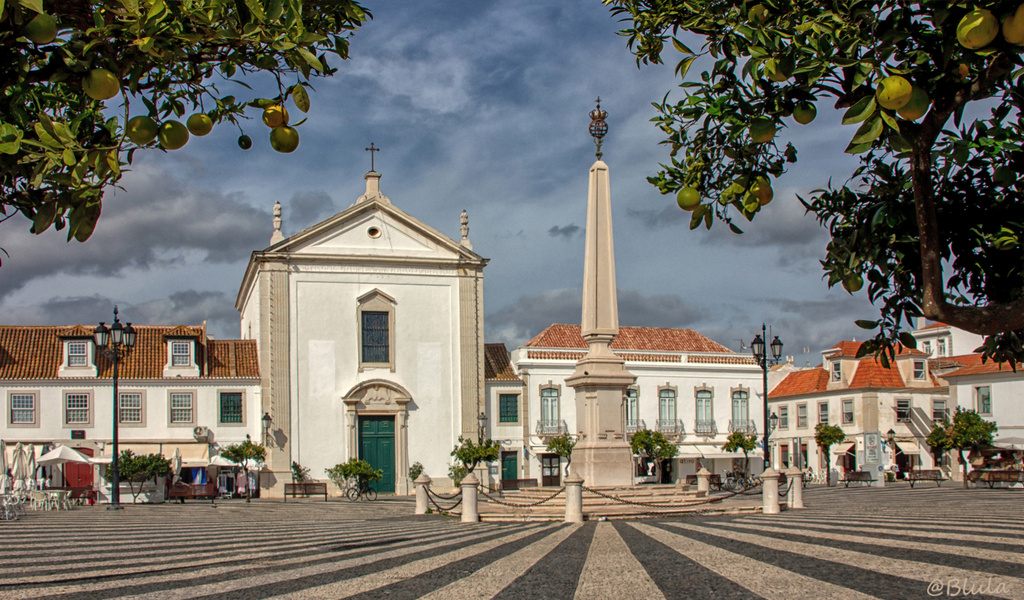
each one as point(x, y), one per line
point(377, 394)
point(374, 229)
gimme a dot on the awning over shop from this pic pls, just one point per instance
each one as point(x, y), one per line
point(192, 454)
point(845, 447)
point(908, 447)
point(710, 451)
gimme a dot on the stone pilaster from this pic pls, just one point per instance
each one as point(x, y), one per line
point(471, 348)
point(275, 372)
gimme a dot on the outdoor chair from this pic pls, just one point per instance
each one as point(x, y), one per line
point(40, 500)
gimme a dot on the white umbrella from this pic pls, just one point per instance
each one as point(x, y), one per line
point(220, 461)
point(176, 465)
point(19, 466)
point(62, 454)
point(30, 452)
point(3, 467)
point(1009, 443)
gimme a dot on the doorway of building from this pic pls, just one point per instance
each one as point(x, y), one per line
point(377, 447)
point(509, 469)
point(78, 474)
point(550, 470)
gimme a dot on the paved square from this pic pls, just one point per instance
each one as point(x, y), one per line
point(893, 543)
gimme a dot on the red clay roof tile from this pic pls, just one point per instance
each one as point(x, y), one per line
point(651, 339)
point(801, 382)
point(871, 374)
point(497, 366)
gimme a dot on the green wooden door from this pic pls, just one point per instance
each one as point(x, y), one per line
point(377, 447)
point(509, 465)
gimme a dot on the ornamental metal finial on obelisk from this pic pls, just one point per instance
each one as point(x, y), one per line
point(602, 456)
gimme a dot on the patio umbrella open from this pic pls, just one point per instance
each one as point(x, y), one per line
point(30, 453)
point(176, 465)
point(62, 454)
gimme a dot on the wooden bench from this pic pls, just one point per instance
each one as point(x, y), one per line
point(714, 481)
point(305, 489)
point(925, 475)
point(197, 491)
point(994, 477)
point(851, 476)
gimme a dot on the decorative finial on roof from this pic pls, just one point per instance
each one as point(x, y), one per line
point(277, 236)
point(464, 220)
point(598, 128)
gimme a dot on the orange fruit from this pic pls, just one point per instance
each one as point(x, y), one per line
point(275, 116)
point(199, 124)
point(244, 142)
point(284, 139)
point(100, 84)
point(141, 130)
point(893, 92)
point(916, 107)
point(804, 113)
point(977, 29)
point(172, 135)
point(42, 29)
point(762, 130)
point(688, 198)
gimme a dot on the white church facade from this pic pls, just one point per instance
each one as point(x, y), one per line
point(370, 327)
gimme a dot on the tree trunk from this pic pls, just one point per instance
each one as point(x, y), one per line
point(746, 463)
point(828, 466)
point(963, 465)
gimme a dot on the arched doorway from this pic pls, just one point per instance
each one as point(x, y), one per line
point(376, 414)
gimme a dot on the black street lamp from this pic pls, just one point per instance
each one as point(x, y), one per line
point(481, 421)
point(763, 360)
point(266, 427)
point(111, 343)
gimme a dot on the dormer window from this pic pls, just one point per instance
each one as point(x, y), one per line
point(837, 371)
point(78, 354)
point(919, 372)
point(181, 354)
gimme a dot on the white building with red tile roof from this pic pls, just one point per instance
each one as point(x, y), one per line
point(862, 396)
point(688, 386)
point(994, 390)
point(178, 389)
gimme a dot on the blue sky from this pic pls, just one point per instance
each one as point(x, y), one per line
point(479, 106)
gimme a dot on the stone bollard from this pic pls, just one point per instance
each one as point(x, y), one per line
point(770, 491)
point(422, 484)
point(703, 481)
point(469, 498)
point(574, 499)
point(795, 478)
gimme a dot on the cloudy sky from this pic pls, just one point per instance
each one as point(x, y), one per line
point(480, 106)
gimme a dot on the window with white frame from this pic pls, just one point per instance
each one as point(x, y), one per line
point(903, 411)
point(632, 408)
point(823, 413)
point(181, 354)
point(784, 417)
point(801, 416)
point(705, 408)
point(231, 408)
point(667, 406)
point(919, 372)
point(76, 409)
point(926, 347)
point(939, 409)
point(847, 412)
point(941, 345)
point(740, 407)
point(23, 409)
point(983, 399)
point(182, 407)
point(837, 371)
point(549, 407)
point(130, 408)
point(78, 354)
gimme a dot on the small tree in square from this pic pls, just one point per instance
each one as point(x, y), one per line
point(826, 436)
point(470, 453)
point(741, 441)
point(562, 445)
point(967, 431)
point(654, 446)
point(243, 453)
point(139, 469)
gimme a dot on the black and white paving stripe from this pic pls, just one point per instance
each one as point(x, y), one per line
point(850, 543)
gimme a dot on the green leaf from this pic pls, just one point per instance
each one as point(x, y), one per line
point(311, 59)
point(257, 9)
point(866, 324)
point(868, 132)
point(861, 110)
point(684, 66)
point(300, 97)
point(891, 122)
point(36, 5)
point(907, 339)
point(681, 47)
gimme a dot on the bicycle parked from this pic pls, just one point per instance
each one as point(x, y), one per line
point(737, 480)
point(361, 490)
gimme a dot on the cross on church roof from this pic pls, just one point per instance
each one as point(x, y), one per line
point(371, 150)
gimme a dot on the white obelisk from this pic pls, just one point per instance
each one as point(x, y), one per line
point(602, 456)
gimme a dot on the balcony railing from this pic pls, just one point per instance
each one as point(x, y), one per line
point(670, 426)
point(551, 428)
point(743, 425)
point(703, 427)
point(635, 425)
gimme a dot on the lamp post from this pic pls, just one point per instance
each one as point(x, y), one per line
point(266, 427)
point(481, 422)
point(763, 360)
point(111, 343)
